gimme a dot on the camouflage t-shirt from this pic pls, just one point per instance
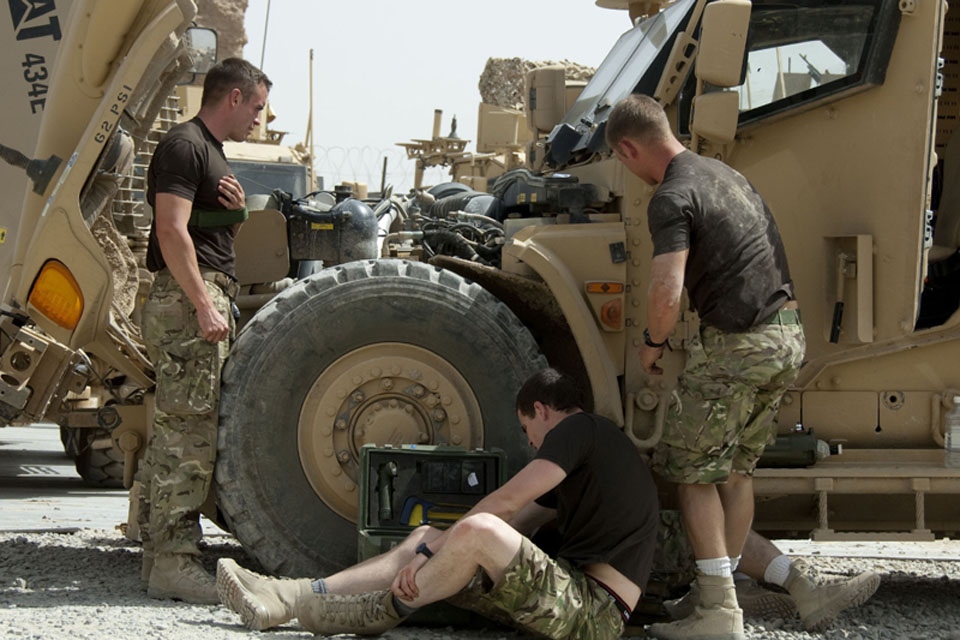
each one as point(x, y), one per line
point(736, 271)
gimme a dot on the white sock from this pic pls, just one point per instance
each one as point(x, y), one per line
point(734, 563)
point(714, 566)
point(778, 570)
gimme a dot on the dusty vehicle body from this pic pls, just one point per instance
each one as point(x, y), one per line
point(842, 116)
point(394, 351)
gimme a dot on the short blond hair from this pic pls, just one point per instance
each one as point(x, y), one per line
point(639, 118)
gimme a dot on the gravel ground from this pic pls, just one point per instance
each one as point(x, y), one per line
point(86, 585)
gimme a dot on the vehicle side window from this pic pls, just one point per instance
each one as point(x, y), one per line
point(811, 51)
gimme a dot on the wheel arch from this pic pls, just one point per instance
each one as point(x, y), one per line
point(553, 306)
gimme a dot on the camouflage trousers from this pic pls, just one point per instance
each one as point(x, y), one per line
point(674, 564)
point(726, 403)
point(547, 597)
point(177, 467)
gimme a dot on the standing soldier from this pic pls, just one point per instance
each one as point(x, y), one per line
point(713, 234)
point(188, 322)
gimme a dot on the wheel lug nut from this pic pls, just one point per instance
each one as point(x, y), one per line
point(394, 404)
point(432, 401)
point(343, 456)
point(408, 409)
point(341, 424)
point(387, 384)
point(418, 391)
point(360, 433)
point(423, 437)
point(358, 396)
point(439, 415)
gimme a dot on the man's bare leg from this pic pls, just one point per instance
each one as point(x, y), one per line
point(703, 519)
point(265, 602)
point(482, 540)
point(758, 553)
point(736, 497)
point(378, 572)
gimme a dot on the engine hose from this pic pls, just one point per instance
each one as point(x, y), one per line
point(449, 243)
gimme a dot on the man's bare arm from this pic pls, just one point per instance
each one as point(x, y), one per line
point(663, 303)
point(172, 214)
point(534, 480)
point(532, 517)
point(663, 295)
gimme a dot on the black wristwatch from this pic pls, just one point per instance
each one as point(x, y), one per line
point(647, 340)
point(425, 550)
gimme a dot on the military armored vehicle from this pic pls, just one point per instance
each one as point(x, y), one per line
point(841, 114)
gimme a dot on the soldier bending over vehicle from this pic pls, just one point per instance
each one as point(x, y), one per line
point(586, 474)
point(713, 234)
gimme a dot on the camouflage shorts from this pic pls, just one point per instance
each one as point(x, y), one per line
point(548, 597)
point(726, 403)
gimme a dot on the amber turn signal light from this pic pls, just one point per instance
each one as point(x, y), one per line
point(56, 294)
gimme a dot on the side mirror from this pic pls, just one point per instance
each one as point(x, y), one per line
point(545, 98)
point(715, 116)
point(202, 44)
point(723, 40)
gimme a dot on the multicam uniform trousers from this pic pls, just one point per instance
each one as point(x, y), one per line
point(177, 468)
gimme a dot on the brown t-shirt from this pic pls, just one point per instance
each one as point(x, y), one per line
point(189, 162)
point(736, 271)
point(607, 507)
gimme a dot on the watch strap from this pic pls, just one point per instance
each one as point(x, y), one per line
point(647, 340)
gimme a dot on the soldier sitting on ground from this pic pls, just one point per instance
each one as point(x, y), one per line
point(586, 474)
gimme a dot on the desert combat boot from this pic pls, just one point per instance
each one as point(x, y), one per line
point(819, 605)
point(753, 600)
point(179, 576)
point(716, 617)
point(261, 602)
point(365, 614)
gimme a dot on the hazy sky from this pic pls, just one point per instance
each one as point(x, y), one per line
point(381, 67)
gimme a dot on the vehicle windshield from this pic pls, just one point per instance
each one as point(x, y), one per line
point(634, 65)
point(262, 177)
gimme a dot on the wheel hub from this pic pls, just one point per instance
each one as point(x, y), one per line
point(382, 394)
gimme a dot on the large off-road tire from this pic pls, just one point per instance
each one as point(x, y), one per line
point(382, 351)
point(99, 466)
